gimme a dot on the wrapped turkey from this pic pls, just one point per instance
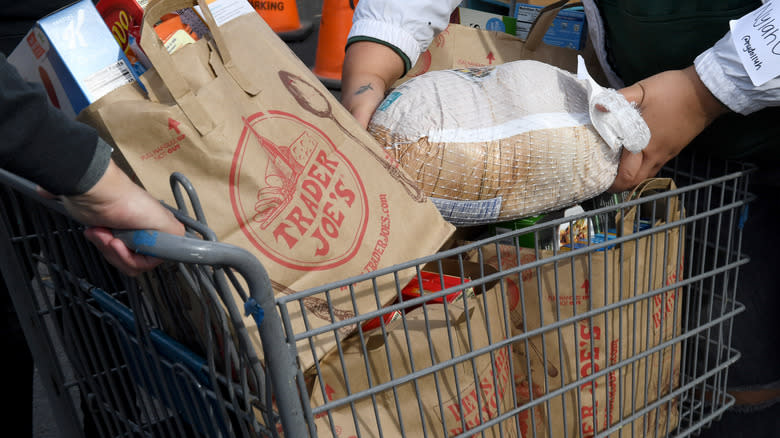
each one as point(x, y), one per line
point(489, 144)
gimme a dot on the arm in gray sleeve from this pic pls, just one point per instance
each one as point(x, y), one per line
point(96, 168)
point(40, 143)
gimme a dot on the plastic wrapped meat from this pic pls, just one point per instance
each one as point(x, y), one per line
point(496, 143)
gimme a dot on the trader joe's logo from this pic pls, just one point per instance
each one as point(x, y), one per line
point(296, 197)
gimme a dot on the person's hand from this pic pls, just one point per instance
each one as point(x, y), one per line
point(369, 70)
point(677, 106)
point(117, 202)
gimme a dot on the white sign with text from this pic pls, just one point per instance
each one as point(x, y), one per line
point(757, 39)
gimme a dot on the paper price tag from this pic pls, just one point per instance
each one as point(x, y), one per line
point(757, 39)
point(226, 10)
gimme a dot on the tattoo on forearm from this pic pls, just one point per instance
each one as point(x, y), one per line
point(363, 89)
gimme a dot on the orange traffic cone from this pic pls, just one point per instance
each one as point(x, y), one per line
point(335, 23)
point(282, 16)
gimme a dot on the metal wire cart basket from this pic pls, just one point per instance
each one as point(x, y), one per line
point(615, 321)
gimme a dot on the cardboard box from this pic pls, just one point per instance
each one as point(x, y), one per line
point(497, 5)
point(569, 28)
point(123, 18)
point(74, 55)
point(484, 20)
point(547, 2)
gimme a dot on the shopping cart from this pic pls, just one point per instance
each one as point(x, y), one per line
point(121, 355)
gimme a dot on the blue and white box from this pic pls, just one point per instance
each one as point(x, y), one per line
point(73, 54)
point(569, 28)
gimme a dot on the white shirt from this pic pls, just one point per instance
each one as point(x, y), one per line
point(409, 25)
point(721, 70)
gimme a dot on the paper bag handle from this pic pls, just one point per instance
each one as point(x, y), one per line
point(181, 91)
point(542, 23)
point(151, 43)
point(169, 73)
point(155, 50)
point(648, 185)
point(376, 341)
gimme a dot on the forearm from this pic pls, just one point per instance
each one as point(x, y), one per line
point(385, 40)
point(116, 202)
point(370, 66)
point(369, 70)
point(705, 106)
point(677, 106)
point(105, 196)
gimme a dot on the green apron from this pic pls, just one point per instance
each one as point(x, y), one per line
point(646, 37)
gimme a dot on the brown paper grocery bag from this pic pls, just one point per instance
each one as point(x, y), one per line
point(660, 317)
point(280, 167)
point(460, 46)
point(447, 402)
point(555, 291)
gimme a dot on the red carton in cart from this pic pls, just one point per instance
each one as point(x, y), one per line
point(431, 282)
point(73, 55)
point(123, 18)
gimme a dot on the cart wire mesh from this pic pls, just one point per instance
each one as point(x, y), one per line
point(651, 359)
point(623, 332)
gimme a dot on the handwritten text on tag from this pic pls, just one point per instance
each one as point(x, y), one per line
point(757, 39)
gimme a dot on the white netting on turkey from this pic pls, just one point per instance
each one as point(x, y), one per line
point(496, 143)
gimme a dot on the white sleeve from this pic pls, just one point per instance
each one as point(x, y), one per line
point(407, 26)
point(721, 70)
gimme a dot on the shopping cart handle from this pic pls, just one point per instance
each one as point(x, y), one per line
point(179, 248)
point(194, 250)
